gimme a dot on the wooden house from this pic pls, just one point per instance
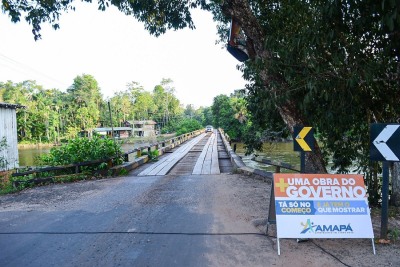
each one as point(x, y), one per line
point(144, 128)
point(119, 132)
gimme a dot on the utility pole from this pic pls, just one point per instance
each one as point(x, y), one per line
point(111, 121)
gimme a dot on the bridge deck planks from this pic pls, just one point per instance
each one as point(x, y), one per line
point(163, 166)
point(214, 157)
point(207, 163)
point(199, 163)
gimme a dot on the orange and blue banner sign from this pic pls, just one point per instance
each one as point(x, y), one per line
point(305, 203)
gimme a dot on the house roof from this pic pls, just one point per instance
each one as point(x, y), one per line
point(109, 129)
point(147, 122)
point(10, 106)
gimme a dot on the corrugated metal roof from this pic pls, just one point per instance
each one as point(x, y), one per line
point(148, 122)
point(8, 105)
point(109, 129)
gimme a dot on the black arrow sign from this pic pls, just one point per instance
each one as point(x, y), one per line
point(385, 142)
point(303, 138)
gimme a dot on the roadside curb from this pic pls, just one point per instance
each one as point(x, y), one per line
point(134, 163)
point(129, 166)
point(240, 167)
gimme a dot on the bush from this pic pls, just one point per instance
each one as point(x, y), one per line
point(3, 160)
point(187, 126)
point(153, 155)
point(81, 150)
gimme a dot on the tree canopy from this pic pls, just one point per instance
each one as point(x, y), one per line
point(51, 115)
point(157, 16)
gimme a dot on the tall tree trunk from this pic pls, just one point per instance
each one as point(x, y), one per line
point(291, 115)
point(395, 198)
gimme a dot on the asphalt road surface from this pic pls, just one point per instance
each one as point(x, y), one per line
point(189, 220)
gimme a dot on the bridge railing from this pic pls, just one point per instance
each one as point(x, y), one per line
point(162, 146)
point(278, 164)
point(241, 167)
point(132, 159)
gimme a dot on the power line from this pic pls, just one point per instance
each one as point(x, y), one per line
point(24, 68)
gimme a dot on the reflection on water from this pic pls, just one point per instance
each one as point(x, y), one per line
point(28, 155)
point(273, 151)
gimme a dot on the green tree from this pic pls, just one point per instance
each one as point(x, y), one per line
point(189, 111)
point(229, 114)
point(207, 116)
point(122, 107)
point(168, 106)
point(85, 100)
point(157, 16)
point(144, 107)
point(135, 89)
point(41, 119)
point(330, 65)
point(187, 125)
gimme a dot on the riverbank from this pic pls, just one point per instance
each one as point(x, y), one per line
point(42, 145)
point(129, 140)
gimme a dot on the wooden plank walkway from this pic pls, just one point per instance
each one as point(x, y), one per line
point(163, 166)
point(207, 163)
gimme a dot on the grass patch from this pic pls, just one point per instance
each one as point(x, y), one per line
point(9, 184)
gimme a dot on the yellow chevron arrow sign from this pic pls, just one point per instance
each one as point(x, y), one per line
point(300, 138)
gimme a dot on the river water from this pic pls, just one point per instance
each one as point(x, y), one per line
point(28, 155)
point(282, 152)
point(275, 151)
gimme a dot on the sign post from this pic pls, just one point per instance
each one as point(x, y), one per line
point(385, 199)
point(385, 147)
point(321, 206)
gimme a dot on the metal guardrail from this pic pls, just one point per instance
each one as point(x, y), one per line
point(278, 164)
point(54, 169)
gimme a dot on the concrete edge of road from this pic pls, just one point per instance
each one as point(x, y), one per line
point(240, 167)
point(131, 165)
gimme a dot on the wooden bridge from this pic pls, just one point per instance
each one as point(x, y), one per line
point(195, 153)
point(203, 154)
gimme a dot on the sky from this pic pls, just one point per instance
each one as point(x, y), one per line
point(116, 49)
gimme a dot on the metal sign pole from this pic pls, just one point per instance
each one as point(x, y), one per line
point(302, 162)
point(385, 147)
point(373, 246)
point(272, 212)
point(279, 247)
point(385, 199)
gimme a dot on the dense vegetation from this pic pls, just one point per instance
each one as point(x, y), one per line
point(83, 149)
point(51, 115)
point(94, 155)
point(230, 113)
